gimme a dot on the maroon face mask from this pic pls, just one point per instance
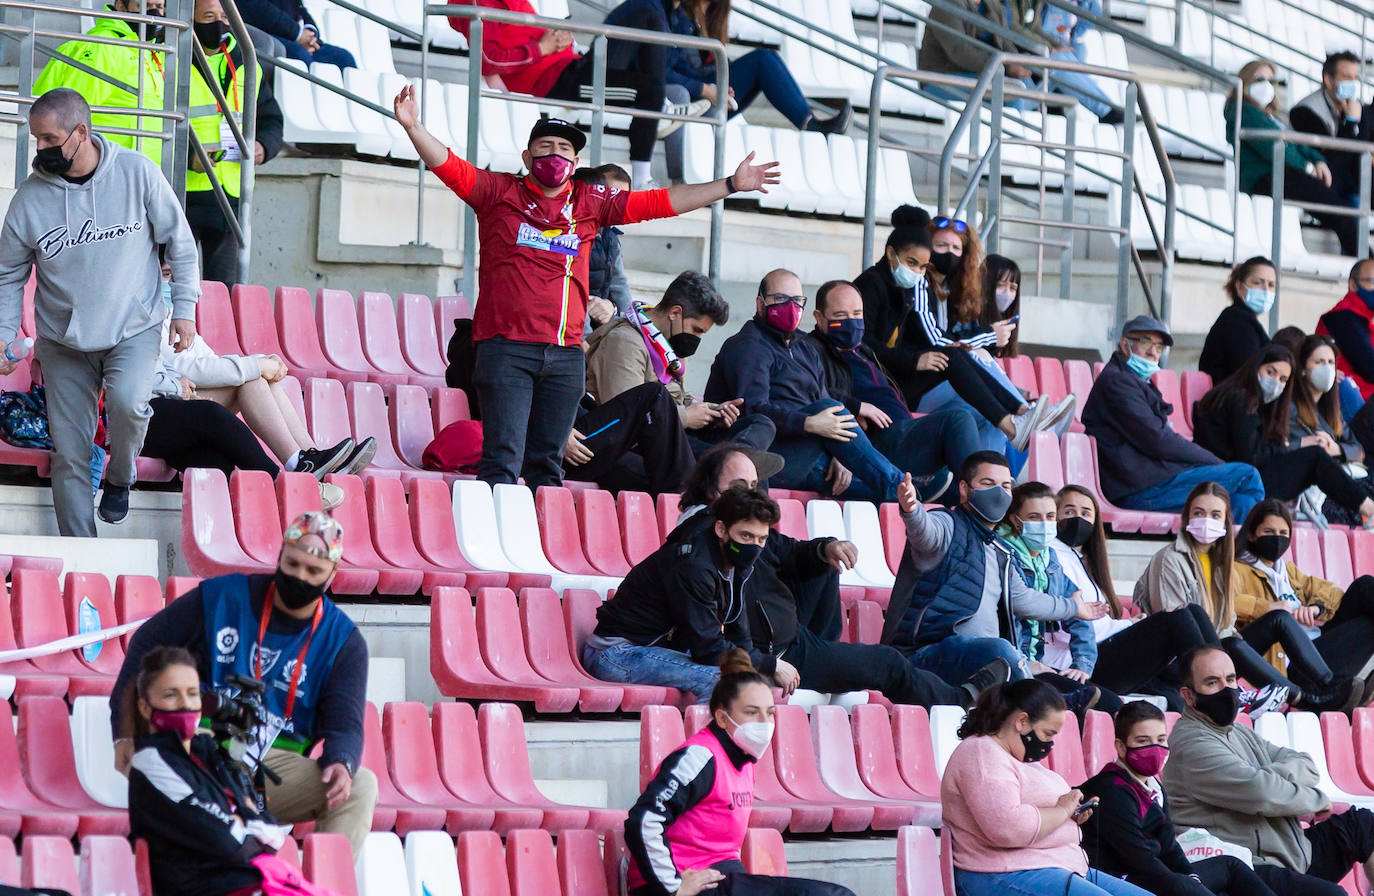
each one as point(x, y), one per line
point(552, 170)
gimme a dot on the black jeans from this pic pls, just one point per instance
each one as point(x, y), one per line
point(1347, 639)
point(1217, 876)
point(1107, 701)
point(529, 393)
point(1305, 663)
point(639, 443)
point(818, 603)
point(1129, 659)
point(1337, 845)
point(1288, 475)
point(834, 667)
point(970, 380)
point(924, 445)
point(623, 88)
point(1303, 187)
point(739, 882)
point(749, 430)
point(200, 433)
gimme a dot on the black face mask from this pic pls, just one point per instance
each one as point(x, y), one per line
point(1036, 749)
point(51, 159)
point(1075, 531)
point(1269, 547)
point(945, 263)
point(295, 593)
point(210, 34)
point(741, 556)
point(1220, 707)
point(155, 33)
point(684, 345)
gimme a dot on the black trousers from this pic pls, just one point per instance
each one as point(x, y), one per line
point(1347, 639)
point(739, 882)
point(1288, 475)
point(970, 381)
point(1337, 845)
point(640, 446)
point(219, 255)
point(835, 667)
point(200, 433)
point(1217, 876)
point(1305, 663)
point(818, 603)
point(1131, 658)
point(1107, 701)
point(750, 430)
point(623, 88)
point(1303, 187)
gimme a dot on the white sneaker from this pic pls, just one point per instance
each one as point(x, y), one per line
point(1060, 417)
point(695, 108)
point(331, 496)
point(1029, 423)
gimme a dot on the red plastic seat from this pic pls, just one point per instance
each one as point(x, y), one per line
point(394, 809)
point(1099, 742)
point(447, 309)
point(412, 423)
point(381, 339)
point(458, 750)
point(914, 748)
point(436, 538)
point(77, 589)
point(1166, 381)
point(793, 521)
point(639, 532)
point(290, 853)
point(546, 644)
point(179, 585)
point(326, 411)
point(773, 805)
point(874, 748)
point(49, 863)
point(336, 321)
point(107, 865)
point(1336, 557)
point(49, 765)
point(668, 510)
point(600, 529)
point(300, 337)
point(865, 623)
point(579, 608)
point(1049, 373)
point(391, 534)
point(1066, 759)
point(414, 769)
point(507, 760)
point(502, 645)
point(1079, 376)
point(215, 319)
point(1306, 551)
point(1193, 385)
point(1340, 754)
point(795, 763)
point(1021, 372)
point(530, 864)
point(456, 663)
point(482, 864)
point(894, 534)
point(762, 853)
point(207, 527)
point(448, 406)
point(581, 868)
point(832, 743)
point(255, 322)
point(660, 733)
point(1080, 469)
point(358, 550)
point(1046, 463)
point(137, 598)
point(298, 493)
point(20, 809)
point(1362, 551)
point(328, 862)
point(558, 530)
point(253, 499)
point(367, 410)
point(9, 859)
point(918, 863)
point(28, 679)
point(38, 617)
point(1362, 736)
point(419, 340)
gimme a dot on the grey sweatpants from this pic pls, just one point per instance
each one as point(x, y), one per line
point(74, 380)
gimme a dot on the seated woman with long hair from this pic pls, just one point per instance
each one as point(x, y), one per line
point(1316, 419)
point(1013, 822)
point(1199, 568)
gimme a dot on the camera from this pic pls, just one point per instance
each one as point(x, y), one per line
point(237, 717)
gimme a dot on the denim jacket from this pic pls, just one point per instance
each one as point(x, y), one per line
point(1031, 634)
point(1060, 24)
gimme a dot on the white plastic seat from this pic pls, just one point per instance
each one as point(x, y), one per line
point(94, 752)
point(375, 45)
point(381, 866)
point(373, 136)
point(431, 864)
point(456, 103)
point(389, 84)
point(341, 30)
point(1272, 727)
point(861, 524)
point(896, 169)
point(474, 518)
point(801, 196)
point(820, 173)
point(300, 123)
point(332, 108)
point(1305, 734)
point(848, 170)
point(944, 733)
point(825, 520)
point(518, 529)
point(698, 153)
point(505, 128)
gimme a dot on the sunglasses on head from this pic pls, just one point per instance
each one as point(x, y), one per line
point(943, 223)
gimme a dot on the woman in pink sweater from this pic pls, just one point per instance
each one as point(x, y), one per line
point(1013, 822)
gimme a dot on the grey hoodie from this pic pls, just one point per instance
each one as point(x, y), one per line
point(95, 249)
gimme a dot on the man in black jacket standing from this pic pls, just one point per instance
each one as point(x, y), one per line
point(928, 447)
point(1144, 464)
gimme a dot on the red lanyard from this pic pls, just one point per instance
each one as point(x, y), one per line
point(300, 660)
point(230, 93)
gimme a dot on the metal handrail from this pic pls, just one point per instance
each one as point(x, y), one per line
point(601, 34)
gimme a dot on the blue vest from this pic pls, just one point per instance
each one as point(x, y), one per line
point(946, 595)
point(231, 635)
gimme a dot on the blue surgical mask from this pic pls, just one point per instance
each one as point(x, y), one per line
point(845, 334)
point(1259, 300)
point(1142, 367)
point(167, 293)
point(1366, 296)
point(1347, 90)
point(906, 278)
point(1037, 534)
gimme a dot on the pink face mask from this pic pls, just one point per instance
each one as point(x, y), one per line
point(785, 316)
point(1148, 761)
point(182, 722)
point(552, 170)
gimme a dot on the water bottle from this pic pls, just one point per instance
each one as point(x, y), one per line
point(19, 349)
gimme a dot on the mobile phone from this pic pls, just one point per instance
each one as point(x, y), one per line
point(1014, 318)
point(1086, 805)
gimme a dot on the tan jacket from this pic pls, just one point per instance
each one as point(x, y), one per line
point(617, 361)
point(1255, 597)
point(1173, 580)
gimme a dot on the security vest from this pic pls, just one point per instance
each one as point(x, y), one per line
point(207, 120)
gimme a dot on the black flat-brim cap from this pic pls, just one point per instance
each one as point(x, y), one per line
point(557, 127)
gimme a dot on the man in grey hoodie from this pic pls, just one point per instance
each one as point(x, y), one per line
point(90, 219)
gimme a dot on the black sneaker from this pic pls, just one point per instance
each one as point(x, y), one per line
point(1080, 700)
point(320, 462)
point(994, 673)
point(1328, 699)
point(114, 504)
point(362, 456)
point(835, 124)
point(930, 488)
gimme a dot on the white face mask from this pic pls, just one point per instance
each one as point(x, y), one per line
point(1322, 377)
point(1004, 299)
point(1205, 530)
point(1262, 92)
point(752, 737)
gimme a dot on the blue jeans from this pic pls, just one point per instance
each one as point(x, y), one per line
point(326, 54)
point(956, 657)
point(925, 445)
point(763, 71)
point(943, 397)
point(631, 664)
point(1241, 480)
point(1351, 399)
point(959, 95)
point(808, 457)
point(529, 394)
point(1042, 882)
point(1078, 85)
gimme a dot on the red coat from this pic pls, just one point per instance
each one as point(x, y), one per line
point(1351, 304)
point(512, 51)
